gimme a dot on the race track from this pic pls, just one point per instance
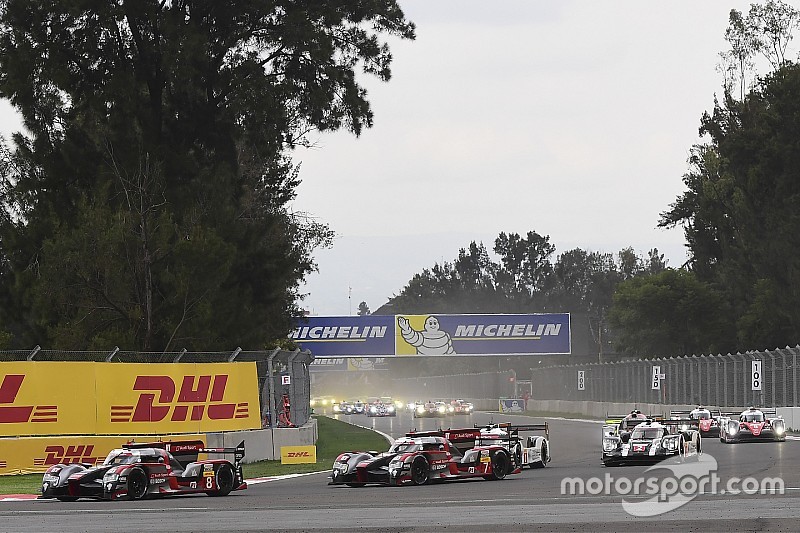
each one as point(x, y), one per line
point(531, 501)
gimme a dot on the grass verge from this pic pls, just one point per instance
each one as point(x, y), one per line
point(334, 438)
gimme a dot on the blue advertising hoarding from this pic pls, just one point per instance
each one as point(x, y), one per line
point(435, 334)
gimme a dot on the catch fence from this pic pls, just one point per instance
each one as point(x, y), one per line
point(714, 380)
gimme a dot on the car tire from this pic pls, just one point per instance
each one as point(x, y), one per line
point(545, 457)
point(137, 484)
point(420, 471)
point(225, 479)
point(500, 466)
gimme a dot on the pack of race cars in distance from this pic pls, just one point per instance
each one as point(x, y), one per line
point(141, 470)
point(489, 452)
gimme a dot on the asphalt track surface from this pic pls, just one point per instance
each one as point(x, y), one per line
point(531, 501)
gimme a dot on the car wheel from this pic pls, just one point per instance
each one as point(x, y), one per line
point(420, 471)
point(137, 484)
point(500, 464)
point(225, 480)
point(545, 457)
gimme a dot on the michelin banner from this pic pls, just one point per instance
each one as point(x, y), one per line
point(410, 335)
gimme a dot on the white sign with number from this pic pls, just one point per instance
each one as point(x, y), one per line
point(581, 380)
point(756, 377)
point(656, 378)
point(286, 379)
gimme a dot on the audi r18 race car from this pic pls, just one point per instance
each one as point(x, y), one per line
point(360, 468)
point(137, 471)
point(752, 425)
point(532, 451)
point(437, 458)
point(651, 441)
point(707, 419)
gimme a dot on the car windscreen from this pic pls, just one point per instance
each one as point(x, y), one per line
point(646, 433)
point(753, 417)
point(701, 415)
point(119, 457)
point(403, 447)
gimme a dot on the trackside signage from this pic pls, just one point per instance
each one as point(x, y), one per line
point(40, 398)
point(435, 334)
point(292, 455)
point(28, 455)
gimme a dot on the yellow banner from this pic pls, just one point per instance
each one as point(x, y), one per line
point(177, 397)
point(47, 398)
point(78, 398)
point(292, 455)
point(28, 455)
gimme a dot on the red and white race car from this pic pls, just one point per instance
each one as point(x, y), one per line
point(707, 419)
point(435, 457)
point(752, 424)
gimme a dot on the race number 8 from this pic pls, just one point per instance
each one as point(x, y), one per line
point(209, 482)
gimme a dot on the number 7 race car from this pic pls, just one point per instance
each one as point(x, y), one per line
point(137, 471)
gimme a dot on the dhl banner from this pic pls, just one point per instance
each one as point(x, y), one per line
point(292, 455)
point(90, 398)
point(28, 455)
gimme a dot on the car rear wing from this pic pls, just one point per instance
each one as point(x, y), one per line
point(616, 419)
point(515, 429)
point(238, 452)
point(682, 423)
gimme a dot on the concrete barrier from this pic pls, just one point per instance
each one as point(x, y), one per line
point(265, 444)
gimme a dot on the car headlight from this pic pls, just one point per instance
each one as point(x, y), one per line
point(732, 428)
point(111, 477)
point(684, 427)
point(373, 410)
point(390, 408)
point(609, 445)
point(451, 408)
point(420, 409)
point(671, 444)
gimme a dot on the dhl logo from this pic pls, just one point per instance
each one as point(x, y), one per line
point(9, 389)
point(298, 454)
point(160, 402)
point(80, 453)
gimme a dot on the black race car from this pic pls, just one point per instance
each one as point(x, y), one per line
point(650, 442)
point(360, 468)
point(137, 471)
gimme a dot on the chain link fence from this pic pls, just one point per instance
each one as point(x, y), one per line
point(280, 372)
point(715, 380)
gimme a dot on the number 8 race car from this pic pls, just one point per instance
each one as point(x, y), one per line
point(137, 471)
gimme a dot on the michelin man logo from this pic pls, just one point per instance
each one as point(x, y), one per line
point(429, 341)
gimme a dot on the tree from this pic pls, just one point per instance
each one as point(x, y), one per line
point(363, 309)
point(670, 313)
point(150, 201)
point(739, 212)
point(766, 30)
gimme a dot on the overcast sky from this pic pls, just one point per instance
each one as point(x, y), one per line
point(571, 118)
